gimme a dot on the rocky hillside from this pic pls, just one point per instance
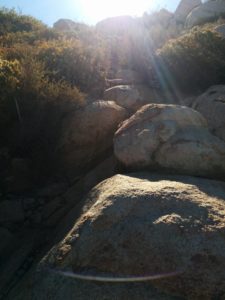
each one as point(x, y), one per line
point(112, 156)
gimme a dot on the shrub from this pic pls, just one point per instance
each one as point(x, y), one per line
point(193, 61)
point(10, 21)
point(70, 61)
point(31, 110)
point(9, 82)
point(27, 37)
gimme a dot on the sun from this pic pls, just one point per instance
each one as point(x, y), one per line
point(96, 10)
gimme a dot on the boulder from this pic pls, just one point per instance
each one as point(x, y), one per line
point(87, 134)
point(172, 138)
point(221, 30)
point(132, 97)
point(211, 105)
point(184, 8)
point(143, 225)
point(64, 25)
point(208, 11)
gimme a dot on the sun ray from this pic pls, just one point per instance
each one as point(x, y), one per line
point(100, 9)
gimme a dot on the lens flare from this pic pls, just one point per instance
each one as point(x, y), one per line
point(104, 278)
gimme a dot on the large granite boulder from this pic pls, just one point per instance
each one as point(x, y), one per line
point(208, 11)
point(184, 8)
point(139, 225)
point(211, 105)
point(132, 97)
point(87, 134)
point(171, 138)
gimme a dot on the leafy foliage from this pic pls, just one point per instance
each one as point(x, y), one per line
point(13, 22)
point(195, 60)
point(69, 60)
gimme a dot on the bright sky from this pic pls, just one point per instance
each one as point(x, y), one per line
point(88, 11)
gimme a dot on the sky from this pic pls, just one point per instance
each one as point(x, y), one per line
point(87, 11)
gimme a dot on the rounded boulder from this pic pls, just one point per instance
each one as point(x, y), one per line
point(171, 138)
point(142, 224)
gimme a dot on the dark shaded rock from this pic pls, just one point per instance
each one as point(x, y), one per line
point(87, 134)
point(11, 211)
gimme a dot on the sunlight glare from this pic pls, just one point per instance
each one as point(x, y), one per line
point(97, 10)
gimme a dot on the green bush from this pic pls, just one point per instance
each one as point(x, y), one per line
point(71, 61)
point(27, 37)
point(10, 21)
point(31, 110)
point(9, 82)
point(193, 61)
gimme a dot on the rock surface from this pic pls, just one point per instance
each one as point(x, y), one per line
point(87, 133)
point(172, 138)
point(144, 224)
point(5, 239)
point(208, 11)
point(184, 8)
point(132, 97)
point(20, 181)
point(58, 287)
point(11, 211)
point(211, 105)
